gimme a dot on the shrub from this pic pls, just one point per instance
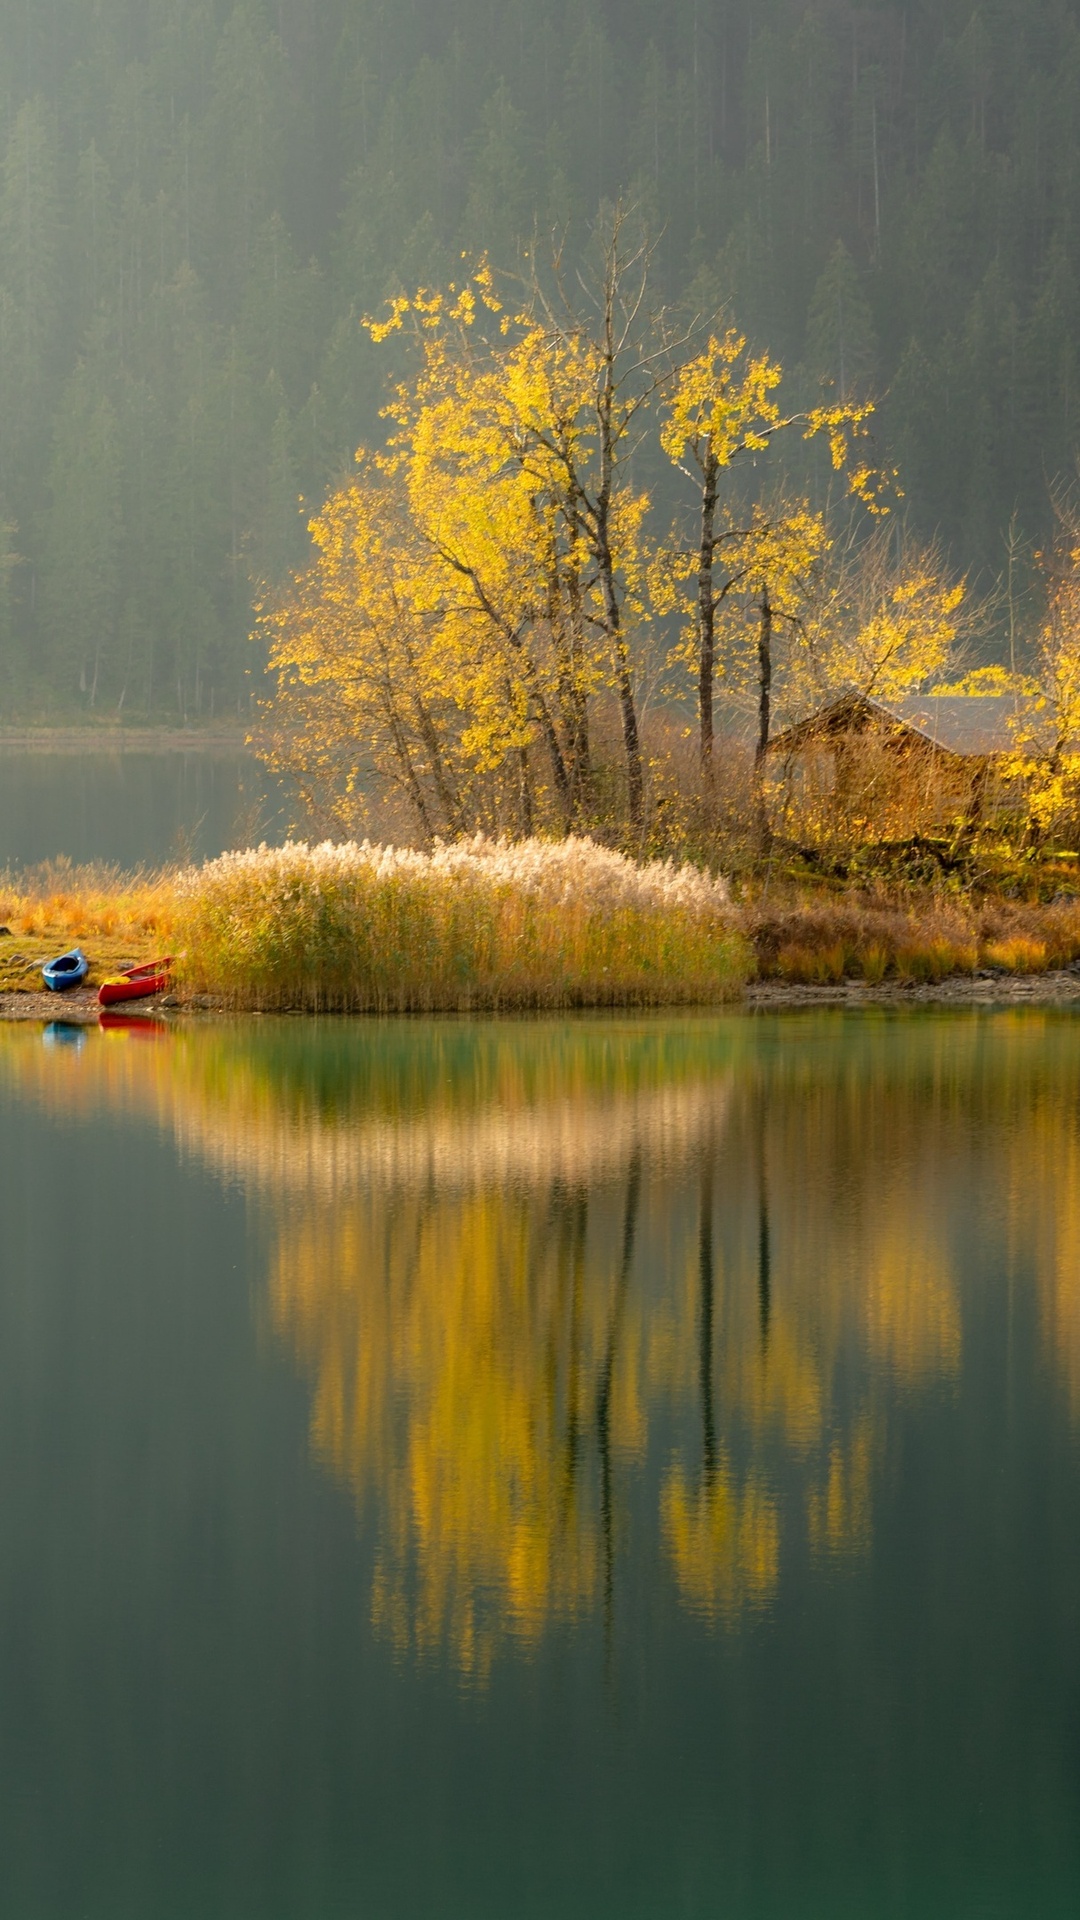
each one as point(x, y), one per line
point(875, 964)
point(1019, 955)
point(931, 960)
point(797, 964)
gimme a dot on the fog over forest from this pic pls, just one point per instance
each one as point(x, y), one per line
point(200, 199)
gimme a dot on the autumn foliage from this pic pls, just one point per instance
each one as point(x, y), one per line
point(493, 603)
point(500, 632)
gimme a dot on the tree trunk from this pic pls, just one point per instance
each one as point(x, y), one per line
point(764, 714)
point(551, 742)
point(511, 638)
point(707, 619)
point(448, 798)
point(525, 794)
point(578, 702)
point(635, 779)
point(450, 802)
point(409, 779)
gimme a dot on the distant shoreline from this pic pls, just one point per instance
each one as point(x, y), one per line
point(122, 740)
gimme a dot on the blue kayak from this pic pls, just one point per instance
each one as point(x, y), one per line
point(70, 970)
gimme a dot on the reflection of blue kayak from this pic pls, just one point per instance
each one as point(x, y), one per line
point(60, 1033)
point(70, 970)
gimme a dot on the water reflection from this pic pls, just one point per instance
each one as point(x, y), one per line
point(573, 1297)
point(64, 1033)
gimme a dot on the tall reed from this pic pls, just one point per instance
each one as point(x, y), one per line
point(480, 924)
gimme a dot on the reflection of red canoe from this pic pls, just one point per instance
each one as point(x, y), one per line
point(144, 1025)
point(136, 983)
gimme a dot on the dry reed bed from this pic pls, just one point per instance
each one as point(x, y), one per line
point(479, 924)
point(917, 935)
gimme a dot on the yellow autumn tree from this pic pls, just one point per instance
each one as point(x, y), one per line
point(483, 587)
point(889, 618)
point(502, 564)
point(722, 407)
point(606, 362)
point(516, 434)
point(1046, 697)
point(362, 686)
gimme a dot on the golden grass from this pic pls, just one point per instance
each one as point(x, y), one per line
point(814, 966)
point(926, 962)
point(118, 920)
point(915, 935)
point(481, 924)
point(875, 964)
point(1019, 955)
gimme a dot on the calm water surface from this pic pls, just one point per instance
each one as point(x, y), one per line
point(602, 1468)
point(134, 809)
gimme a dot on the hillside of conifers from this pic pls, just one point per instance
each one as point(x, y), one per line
point(200, 201)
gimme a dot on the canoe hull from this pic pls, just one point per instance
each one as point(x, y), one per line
point(114, 991)
point(136, 983)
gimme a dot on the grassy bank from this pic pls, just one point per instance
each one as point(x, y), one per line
point(908, 935)
point(484, 926)
point(119, 920)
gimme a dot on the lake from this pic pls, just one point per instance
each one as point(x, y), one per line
point(134, 809)
point(601, 1468)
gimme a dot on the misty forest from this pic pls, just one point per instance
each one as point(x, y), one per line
point(200, 202)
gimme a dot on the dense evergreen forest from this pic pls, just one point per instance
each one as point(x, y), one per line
point(199, 199)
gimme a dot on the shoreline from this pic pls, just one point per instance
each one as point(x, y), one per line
point(1059, 987)
point(1056, 989)
point(114, 739)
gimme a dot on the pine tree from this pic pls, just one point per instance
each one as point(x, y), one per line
point(841, 342)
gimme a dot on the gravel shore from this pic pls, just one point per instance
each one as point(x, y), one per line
point(80, 1006)
point(962, 990)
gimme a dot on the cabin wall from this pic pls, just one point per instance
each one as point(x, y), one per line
point(860, 789)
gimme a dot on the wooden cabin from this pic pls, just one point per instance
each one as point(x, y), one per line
point(860, 769)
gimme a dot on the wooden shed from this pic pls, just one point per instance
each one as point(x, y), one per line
point(869, 769)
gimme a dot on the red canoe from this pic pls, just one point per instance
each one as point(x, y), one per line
point(137, 983)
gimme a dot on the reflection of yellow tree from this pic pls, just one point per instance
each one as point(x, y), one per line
point(838, 1510)
point(514, 1259)
point(805, 1283)
point(724, 1540)
point(912, 1309)
point(468, 1354)
point(1044, 1207)
point(1059, 1276)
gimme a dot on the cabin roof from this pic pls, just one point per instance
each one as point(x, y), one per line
point(969, 727)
